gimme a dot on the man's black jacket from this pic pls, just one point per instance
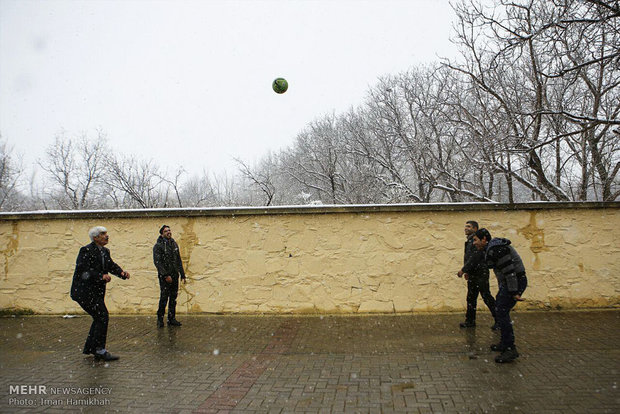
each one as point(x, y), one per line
point(475, 265)
point(167, 258)
point(91, 264)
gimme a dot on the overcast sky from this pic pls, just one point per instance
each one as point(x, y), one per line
point(189, 82)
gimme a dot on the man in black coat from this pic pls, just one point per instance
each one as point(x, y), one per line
point(477, 275)
point(91, 275)
point(167, 259)
point(501, 256)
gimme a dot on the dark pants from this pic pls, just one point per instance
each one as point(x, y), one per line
point(477, 286)
point(168, 294)
point(503, 304)
point(95, 307)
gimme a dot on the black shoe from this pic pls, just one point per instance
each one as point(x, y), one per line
point(106, 357)
point(160, 323)
point(497, 348)
point(495, 326)
point(509, 355)
point(174, 322)
point(467, 324)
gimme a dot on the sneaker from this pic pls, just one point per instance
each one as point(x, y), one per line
point(509, 355)
point(495, 326)
point(160, 323)
point(467, 324)
point(174, 322)
point(497, 348)
point(105, 357)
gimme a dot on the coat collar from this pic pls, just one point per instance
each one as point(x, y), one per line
point(94, 245)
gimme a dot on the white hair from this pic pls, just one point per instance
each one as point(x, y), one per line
point(96, 231)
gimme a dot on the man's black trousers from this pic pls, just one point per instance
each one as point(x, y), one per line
point(168, 295)
point(95, 307)
point(505, 302)
point(475, 286)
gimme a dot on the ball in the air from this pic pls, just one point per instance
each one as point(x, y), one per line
point(279, 85)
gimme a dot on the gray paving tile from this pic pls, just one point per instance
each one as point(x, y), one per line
point(570, 362)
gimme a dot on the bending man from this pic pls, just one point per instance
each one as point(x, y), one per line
point(510, 272)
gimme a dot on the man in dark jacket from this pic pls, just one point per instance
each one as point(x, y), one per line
point(510, 272)
point(167, 260)
point(477, 275)
point(91, 275)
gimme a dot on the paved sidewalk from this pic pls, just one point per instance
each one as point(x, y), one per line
point(570, 363)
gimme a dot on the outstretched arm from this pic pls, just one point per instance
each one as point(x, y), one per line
point(115, 269)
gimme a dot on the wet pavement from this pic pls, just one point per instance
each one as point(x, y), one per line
point(570, 363)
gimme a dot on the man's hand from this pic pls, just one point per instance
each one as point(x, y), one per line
point(106, 278)
point(125, 274)
point(518, 298)
point(460, 273)
point(168, 279)
point(466, 276)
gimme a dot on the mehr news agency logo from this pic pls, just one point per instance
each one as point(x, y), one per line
point(42, 395)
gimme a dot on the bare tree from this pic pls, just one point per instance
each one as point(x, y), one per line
point(315, 160)
point(75, 168)
point(549, 71)
point(261, 176)
point(374, 135)
point(10, 173)
point(198, 191)
point(226, 190)
point(528, 112)
point(139, 183)
point(174, 183)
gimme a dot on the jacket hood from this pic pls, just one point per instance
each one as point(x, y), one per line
point(498, 241)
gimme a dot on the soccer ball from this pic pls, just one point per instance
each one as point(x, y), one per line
point(279, 85)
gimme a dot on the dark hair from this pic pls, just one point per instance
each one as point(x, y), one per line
point(473, 224)
point(161, 231)
point(483, 234)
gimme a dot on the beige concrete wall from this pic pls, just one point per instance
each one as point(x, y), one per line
point(339, 260)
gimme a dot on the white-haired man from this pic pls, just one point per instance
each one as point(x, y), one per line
point(91, 275)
